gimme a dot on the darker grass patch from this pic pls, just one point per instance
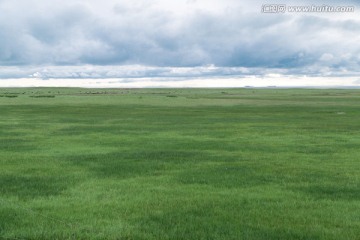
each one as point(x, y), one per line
point(187, 222)
point(130, 164)
point(260, 232)
point(26, 187)
point(317, 150)
point(224, 176)
point(214, 219)
point(88, 129)
point(15, 145)
point(8, 216)
point(243, 174)
point(333, 192)
point(7, 132)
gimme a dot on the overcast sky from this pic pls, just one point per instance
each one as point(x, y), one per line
point(177, 39)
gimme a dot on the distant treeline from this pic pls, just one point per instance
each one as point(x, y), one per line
point(43, 96)
point(36, 96)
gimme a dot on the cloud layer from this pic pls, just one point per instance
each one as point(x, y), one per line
point(38, 37)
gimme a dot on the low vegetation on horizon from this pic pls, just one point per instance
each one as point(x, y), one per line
point(179, 164)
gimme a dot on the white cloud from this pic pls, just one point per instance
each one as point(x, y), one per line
point(326, 57)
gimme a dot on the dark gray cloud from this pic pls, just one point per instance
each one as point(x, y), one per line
point(155, 33)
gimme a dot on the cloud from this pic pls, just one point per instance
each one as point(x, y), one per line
point(228, 34)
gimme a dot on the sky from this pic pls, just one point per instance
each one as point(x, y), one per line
point(178, 43)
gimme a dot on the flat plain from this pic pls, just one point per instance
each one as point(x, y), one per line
point(179, 163)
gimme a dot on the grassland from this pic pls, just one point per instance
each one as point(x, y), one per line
point(179, 164)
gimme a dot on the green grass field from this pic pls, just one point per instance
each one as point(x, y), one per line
point(179, 164)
